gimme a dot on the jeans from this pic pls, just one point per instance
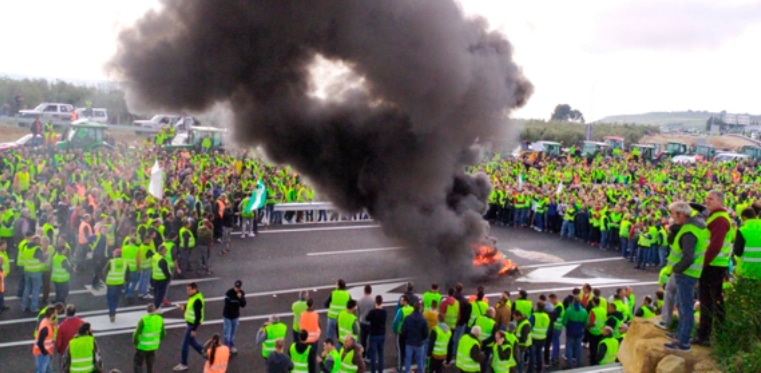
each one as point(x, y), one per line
point(159, 292)
point(44, 364)
point(364, 334)
point(112, 298)
point(535, 357)
point(134, 280)
point(539, 221)
point(459, 330)
point(419, 352)
point(556, 344)
point(332, 331)
point(567, 229)
point(226, 232)
point(230, 327)
point(685, 292)
point(375, 352)
point(2, 300)
point(149, 357)
point(624, 246)
point(642, 256)
point(573, 351)
point(21, 281)
point(669, 298)
point(32, 283)
point(61, 292)
point(605, 239)
point(662, 256)
point(189, 341)
point(145, 277)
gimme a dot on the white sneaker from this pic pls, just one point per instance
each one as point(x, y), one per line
point(233, 350)
point(253, 234)
point(243, 235)
point(180, 368)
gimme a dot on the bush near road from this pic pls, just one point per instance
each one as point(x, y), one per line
point(569, 133)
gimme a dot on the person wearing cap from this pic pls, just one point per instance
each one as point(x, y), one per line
point(298, 307)
point(608, 349)
point(115, 271)
point(235, 299)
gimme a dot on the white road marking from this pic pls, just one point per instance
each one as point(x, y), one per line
point(318, 229)
point(339, 252)
point(536, 255)
point(571, 262)
point(557, 274)
point(126, 320)
point(102, 291)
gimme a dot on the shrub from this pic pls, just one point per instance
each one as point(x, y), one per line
point(569, 133)
point(736, 343)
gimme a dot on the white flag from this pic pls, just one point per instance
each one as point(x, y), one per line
point(156, 187)
point(560, 188)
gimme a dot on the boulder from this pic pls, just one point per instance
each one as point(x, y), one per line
point(642, 351)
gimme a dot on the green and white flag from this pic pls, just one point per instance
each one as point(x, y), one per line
point(258, 197)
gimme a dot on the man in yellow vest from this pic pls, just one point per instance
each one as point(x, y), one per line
point(715, 266)
point(300, 352)
point(116, 270)
point(348, 324)
point(351, 356)
point(686, 264)
point(469, 354)
point(160, 275)
point(5, 270)
point(82, 353)
point(147, 338)
point(335, 304)
point(747, 247)
point(194, 312)
point(34, 258)
point(272, 331)
point(608, 349)
point(503, 352)
point(130, 252)
point(439, 340)
point(540, 322)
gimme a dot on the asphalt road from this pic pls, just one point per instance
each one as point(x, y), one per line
point(278, 263)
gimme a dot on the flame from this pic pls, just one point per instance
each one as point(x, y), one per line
point(486, 256)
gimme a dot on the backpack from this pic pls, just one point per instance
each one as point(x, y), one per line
point(205, 235)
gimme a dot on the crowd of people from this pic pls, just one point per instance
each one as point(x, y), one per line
point(67, 213)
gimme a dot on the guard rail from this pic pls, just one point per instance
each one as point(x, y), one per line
point(9, 122)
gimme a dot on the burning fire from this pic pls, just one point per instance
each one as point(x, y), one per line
point(485, 255)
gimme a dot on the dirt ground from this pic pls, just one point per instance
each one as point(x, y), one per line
point(9, 134)
point(720, 142)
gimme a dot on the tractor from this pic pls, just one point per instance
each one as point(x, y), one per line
point(673, 149)
point(194, 138)
point(646, 152)
point(84, 135)
point(593, 148)
point(704, 151)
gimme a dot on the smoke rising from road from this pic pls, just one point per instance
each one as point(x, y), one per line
point(434, 81)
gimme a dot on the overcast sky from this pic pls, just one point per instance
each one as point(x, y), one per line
point(603, 57)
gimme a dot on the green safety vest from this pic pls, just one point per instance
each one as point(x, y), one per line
point(623, 231)
point(700, 247)
point(477, 308)
point(611, 350)
point(463, 361)
point(450, 316)
point(300, 360)
point(722, 259)
point(647, 313)
point(346, 324)
point(600, 319)
point(338, 300)
point(156, 272)
point(116, 271)
point(6, 227)
point(20, 256)
point(616, 332)
point(169, 260)
point(523, 324)
point(336, 360)
point(406, 311)
point(191, 240)
point(274, 332)
point(749, 265)
point(441, 344)
point(6, 264)
point(190, 315)
point(525, 306)
point(150, 337)
point(430, 296)
point(129, 254)
point(503, 366)
point(569, 213)
point(559, 311)
point(59, 274)
point(347, 364)
point(541, 323)
point(644, 241)
point(145, 263)
point(82, 350)
point(487, 327)
point(32, 264)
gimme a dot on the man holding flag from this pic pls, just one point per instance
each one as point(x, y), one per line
point(249, 208)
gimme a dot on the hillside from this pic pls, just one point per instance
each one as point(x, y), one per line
point(685, 118)
point(720, 142)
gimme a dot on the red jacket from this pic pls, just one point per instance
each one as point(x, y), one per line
point(66, 331)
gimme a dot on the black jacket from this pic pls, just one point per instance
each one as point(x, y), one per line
point(233, 304)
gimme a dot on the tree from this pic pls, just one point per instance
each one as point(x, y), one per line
point(564, 113)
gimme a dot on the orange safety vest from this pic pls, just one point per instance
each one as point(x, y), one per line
point(2, 281)
point(221, 357)
point(310, 322)
point(45, 323)
point(221, 206)
point(82, 234)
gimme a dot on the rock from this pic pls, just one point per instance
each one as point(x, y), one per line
point(642, 352)
point(671, 364)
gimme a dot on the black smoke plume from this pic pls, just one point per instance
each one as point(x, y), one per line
point(434, 82)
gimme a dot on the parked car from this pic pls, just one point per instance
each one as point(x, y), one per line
point(25, 140)
point(95, 115)
point(48, 110)
point(157, 121)
point(726, 157)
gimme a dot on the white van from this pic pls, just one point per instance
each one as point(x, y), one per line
point(97, 115)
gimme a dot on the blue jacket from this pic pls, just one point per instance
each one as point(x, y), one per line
point(415, 329)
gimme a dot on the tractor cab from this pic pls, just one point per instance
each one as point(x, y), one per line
point(85, 135)
point(705, 151)
point(549, 149)
point(593, 148)
point(673, 149)
point(754, 152)
point(197, 137)
point(646, 151)
point(615, 142)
